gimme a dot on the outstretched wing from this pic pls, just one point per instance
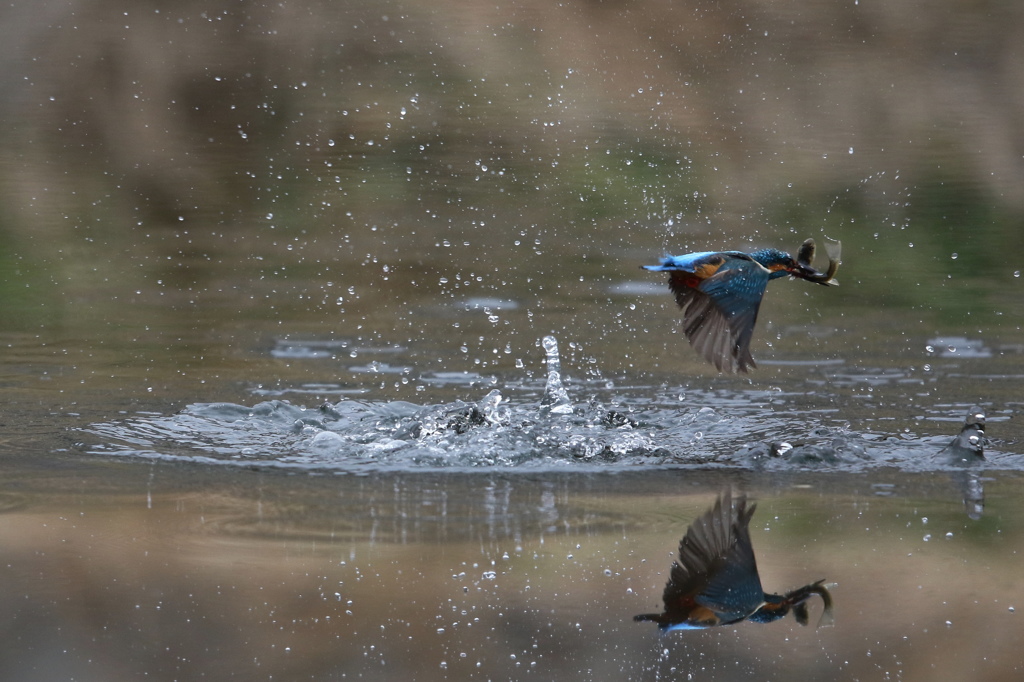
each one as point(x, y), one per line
point(734, 590)
point(720, 310)
point(716, 569)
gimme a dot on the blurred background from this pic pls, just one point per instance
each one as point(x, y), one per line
point(387, 201)
point(340, 166)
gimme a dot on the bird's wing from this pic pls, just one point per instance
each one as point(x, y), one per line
point(737, 293)
point(720, 310)
point(716, 567)
point(710, 331)
point(734, 590)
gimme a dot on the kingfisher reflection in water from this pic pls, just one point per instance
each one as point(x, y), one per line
point(715, 580)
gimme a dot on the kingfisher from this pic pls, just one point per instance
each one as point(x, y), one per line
point(715, 580)
point(720, 293)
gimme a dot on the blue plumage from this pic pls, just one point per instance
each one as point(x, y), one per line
point(720, 294)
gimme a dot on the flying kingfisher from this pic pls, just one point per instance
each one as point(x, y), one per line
point(720, 293)
point(715, 580)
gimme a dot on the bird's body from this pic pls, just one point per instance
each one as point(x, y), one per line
point(720, 294)
point(715, 580)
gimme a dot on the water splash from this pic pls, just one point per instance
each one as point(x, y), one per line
point(539, 425)
point(556, 398)
point(492, 409)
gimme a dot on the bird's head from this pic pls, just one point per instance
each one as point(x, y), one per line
point(779, 263)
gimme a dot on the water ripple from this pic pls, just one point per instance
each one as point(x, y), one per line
point(543, 425)
point(498, 433)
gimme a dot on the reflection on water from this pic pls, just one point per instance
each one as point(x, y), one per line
point(177, 575)
point(715, 580)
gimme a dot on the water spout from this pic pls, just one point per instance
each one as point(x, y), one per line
point(556, 399)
